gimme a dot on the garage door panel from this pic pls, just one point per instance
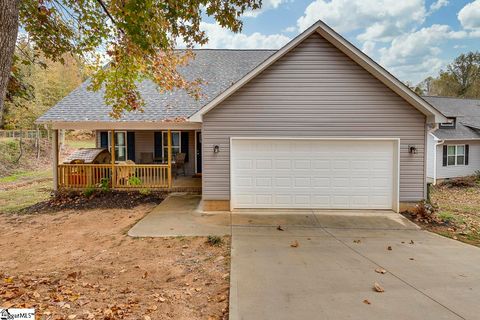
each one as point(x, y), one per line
point(312, 174)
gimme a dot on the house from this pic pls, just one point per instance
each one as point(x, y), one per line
point(316, 124)
point(453, 148)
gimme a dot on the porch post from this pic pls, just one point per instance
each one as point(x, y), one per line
point(169, 140)
point(112, 156)
point(55, 159)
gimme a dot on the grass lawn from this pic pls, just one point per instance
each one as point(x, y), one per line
point(458, 211)
point(19, 197)
point(26, 176)
point(76, 144)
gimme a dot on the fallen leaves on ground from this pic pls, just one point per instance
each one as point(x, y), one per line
point(380, 270)
point(82, 265)
point(457, 210)
point(378, 288)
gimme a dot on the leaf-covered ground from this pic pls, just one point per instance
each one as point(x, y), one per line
point(454, 211)
point(82, 265)
point(458, 211)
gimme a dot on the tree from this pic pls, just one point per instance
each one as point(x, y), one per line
point(34, 88)
point(460, 79)
point(138, 38)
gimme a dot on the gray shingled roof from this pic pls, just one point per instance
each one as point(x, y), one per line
point(466, 112)
point(219, 69)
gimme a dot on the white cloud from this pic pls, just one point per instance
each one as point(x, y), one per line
point(469, 17)
point(266, 5)
point(381, 18)
point(415, 55)
point(223, 38)
point(438, 5)
point(290, 29)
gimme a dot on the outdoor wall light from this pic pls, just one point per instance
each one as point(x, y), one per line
point(216, 149)
point(412, 149)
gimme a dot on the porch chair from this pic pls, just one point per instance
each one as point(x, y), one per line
point(125, 172)
point(146, 157)
point(179, 163)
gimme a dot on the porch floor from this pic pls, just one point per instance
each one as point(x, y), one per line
point(187, 184)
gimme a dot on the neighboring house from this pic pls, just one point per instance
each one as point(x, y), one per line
point(453, 148)
point(316, 124)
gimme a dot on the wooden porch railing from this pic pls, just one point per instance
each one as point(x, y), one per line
point(119, 176)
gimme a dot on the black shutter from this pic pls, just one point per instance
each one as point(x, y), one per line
point(131, 145)
point(466, 154)
point(104, 139)
point(158, 144)
point(184, 136)
point(444, 156)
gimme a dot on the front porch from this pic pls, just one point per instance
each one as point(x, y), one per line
point(166, 160)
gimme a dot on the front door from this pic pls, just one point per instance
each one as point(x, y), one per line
point(199, 151)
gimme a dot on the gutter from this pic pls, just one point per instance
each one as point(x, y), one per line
point(438, 143)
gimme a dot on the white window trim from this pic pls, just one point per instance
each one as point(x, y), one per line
point(165, 143)
point(456, 155)
point(448, 124)
point(109, 134)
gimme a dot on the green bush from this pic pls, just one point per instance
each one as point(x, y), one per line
point(134, 181)
point(145, 192)
point(214, 241)
point(105, 184)
point(88, 191)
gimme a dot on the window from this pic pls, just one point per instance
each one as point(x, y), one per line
point(120, 145)
point(448, 125)
point(456, 155)
point(176, 144)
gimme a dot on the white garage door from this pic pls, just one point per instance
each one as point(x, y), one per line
point(312, 173)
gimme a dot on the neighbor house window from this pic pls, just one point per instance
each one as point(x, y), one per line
point(176, 145)
point(448, 125)
point(120, 145)
point(456, 155)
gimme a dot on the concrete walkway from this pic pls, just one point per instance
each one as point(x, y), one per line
point(330, 274)
point(178, 215)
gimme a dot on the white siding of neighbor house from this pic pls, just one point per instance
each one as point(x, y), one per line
point(430, 156)
point(144, 142)
point(459, 171)
point(313, 91)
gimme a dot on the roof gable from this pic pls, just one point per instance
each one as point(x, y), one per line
point(347, 48)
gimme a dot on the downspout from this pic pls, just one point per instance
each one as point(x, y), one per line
point(439, 143)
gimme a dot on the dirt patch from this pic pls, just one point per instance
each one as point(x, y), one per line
point(82, 265)
point(96, 200)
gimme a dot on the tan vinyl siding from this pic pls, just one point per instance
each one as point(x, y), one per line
point(461, 170)
point(313, 91)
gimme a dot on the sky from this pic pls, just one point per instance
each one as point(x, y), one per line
point(413, 39)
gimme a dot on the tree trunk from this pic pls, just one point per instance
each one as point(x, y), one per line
point(8, 38)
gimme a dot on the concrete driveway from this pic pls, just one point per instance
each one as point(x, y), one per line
point(330, 274)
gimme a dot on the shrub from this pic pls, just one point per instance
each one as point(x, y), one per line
point(105, 184)
point(134, 181)
point(145, 191)
point(214, 241)
point(465, 182)
point(88, 191)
